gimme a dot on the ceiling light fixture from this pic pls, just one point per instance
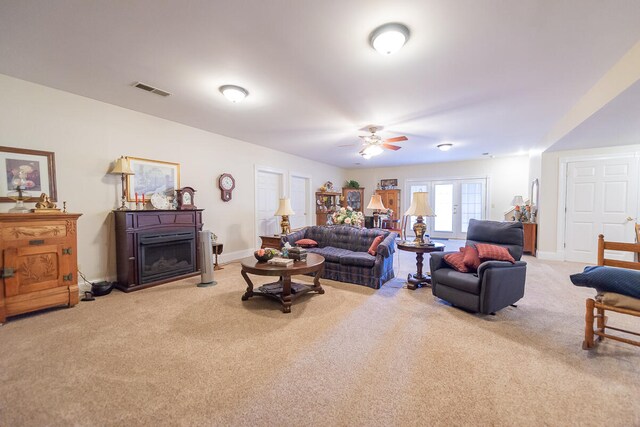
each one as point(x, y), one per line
point(445, 147)
point(373, 150)
point(234, 93)
point(389, 38)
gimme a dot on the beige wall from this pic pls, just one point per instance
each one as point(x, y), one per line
point(549, 191)
point(87, 136)
point(508, 176)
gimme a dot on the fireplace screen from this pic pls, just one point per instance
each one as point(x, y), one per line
point(165, 255)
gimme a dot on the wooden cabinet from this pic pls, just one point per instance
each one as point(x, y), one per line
point(38, 260)
point(391, 200)
point(326, 204)
point(353, 197)
point(530, 237)
point(271, 242)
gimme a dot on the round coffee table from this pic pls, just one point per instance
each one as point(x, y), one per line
point(414, 281)
point(283, 290)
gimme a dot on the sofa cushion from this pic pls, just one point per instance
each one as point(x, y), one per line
point(307, 243)
point(352, 238)
point(374, 245)
point(330, 253)
point(456, 261)
point(471, 258)
point(360, 259)
point(488, 252)
point(466, 282)
point(609, 279)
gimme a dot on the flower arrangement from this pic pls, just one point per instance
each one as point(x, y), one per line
point(348, 216)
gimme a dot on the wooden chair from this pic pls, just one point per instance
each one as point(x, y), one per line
point(600, 308)
point(391, 225)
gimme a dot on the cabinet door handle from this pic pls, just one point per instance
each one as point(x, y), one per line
point(67, 251)
point(67, 278)
point(36, 242)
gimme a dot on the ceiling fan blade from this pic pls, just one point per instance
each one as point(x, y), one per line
point(397, 139)
point(391, 147)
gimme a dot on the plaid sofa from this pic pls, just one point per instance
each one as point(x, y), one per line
point(345, 251)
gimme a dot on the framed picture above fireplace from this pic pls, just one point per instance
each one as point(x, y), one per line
point(150, 177)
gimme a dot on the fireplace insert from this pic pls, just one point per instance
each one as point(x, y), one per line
point(166, 254)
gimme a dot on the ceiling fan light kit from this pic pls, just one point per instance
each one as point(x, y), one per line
point(389, 38)
point(445, 147)
point(234, 93)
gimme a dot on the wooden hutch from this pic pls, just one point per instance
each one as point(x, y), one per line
point(326, 204)
point(354, 198)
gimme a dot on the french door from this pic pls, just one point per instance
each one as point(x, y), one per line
point(454, 203)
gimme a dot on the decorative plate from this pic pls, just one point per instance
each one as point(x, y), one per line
point(159, 201)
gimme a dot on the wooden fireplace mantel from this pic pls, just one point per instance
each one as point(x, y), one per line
point(131, 225)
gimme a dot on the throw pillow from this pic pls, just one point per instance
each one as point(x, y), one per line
point(307, 243)
point(374, 245)
point(456, 261)
point(471, 258)
point(488, 252)
point(609, 279)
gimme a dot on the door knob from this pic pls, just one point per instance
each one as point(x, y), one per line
point(630, 219)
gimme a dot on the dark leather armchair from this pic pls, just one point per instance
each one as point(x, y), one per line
point(496, 284)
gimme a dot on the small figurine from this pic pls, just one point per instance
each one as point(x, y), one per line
point(45, 204)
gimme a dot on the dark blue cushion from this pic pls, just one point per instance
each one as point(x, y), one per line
point(361, 259)
point(330, 253)
point(609, 279)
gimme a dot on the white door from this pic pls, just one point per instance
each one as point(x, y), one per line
point(454, 203)
point(601, 198)
point(268, 192)
point(300, 188)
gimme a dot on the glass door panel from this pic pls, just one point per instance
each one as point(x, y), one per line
point(443, 207)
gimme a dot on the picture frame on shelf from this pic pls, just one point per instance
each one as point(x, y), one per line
point(150, 177)
point(33, 170)
point(386, 184)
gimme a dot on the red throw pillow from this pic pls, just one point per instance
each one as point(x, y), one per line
point(471, 259)
point(307, 243)
point(374, 245)
point(456, 260)
point(494, 252)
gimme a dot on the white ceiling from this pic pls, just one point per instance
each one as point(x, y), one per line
point(489, 76)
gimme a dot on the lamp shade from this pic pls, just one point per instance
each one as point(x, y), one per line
point(284, 208)
point(121, 167)
point(376, 202)
point(517, 201)
point(420, 205)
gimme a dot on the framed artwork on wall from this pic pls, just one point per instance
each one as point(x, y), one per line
point(33, 171)
point(150, 177)
point(388, 183)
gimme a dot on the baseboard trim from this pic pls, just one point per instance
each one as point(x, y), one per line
point(550, 256)
point(234, 256)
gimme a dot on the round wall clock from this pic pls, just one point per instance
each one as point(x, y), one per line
point(185, 198)
point(226, 184)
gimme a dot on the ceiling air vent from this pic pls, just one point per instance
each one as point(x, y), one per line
point(151, 89)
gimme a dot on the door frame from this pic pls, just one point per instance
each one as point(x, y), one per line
point(310, 198)
point(283, 186)
point(561, 221)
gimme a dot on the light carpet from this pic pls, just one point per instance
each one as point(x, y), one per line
point(181, 355)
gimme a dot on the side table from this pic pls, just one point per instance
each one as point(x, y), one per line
point(217, 250)
point(414, 281)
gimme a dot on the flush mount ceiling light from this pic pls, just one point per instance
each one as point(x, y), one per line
point(445, 147)
point(234, 93)
point(389, 38)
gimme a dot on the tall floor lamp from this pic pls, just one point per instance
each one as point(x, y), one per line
point(376, 203)
point(420, 208)
point(121, 167)
point(284, 210)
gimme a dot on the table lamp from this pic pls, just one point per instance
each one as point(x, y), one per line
point(121, 167)
point(284, 210)
point(376, 203)
point(420, 207)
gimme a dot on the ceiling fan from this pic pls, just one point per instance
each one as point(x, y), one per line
point(373, 144)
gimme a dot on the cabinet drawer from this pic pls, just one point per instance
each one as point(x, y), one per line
point(25, 232)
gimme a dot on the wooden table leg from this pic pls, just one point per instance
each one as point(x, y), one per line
point(414, 281)
point(249, 293)
point(286, 294)
point(316, 281)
